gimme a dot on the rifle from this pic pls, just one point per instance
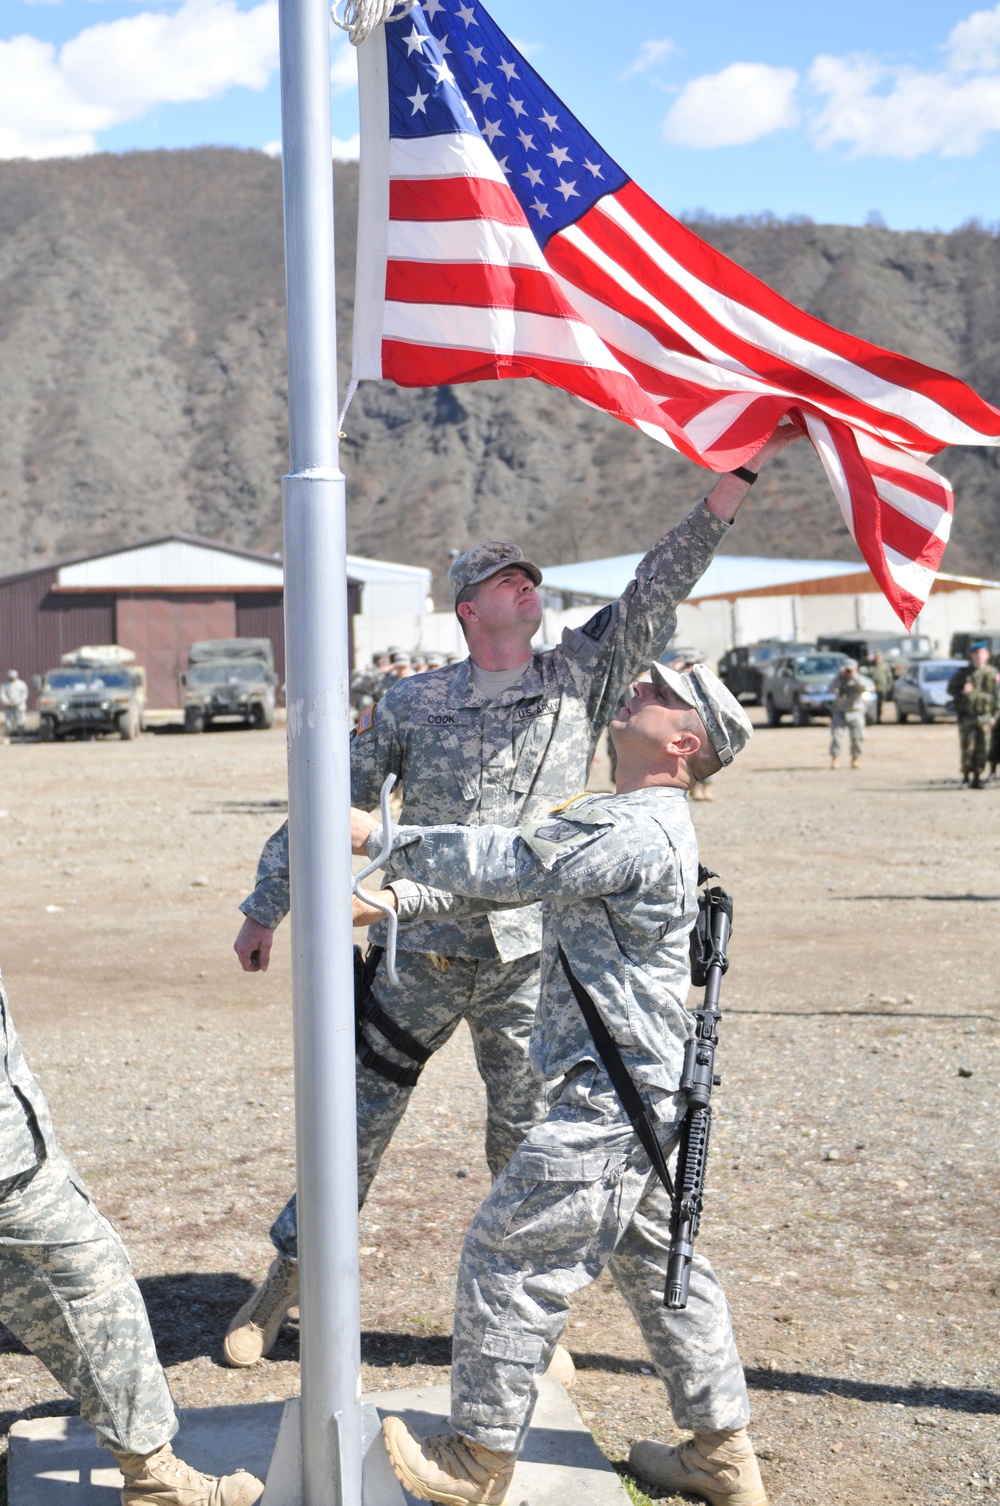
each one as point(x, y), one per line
point(709, 961)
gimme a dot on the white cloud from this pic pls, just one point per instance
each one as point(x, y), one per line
point(344, 68)
point(53, 104)
point(650, 55)
point(742, 103)
point(974, 44)
point(873, 110)
point(344, 149)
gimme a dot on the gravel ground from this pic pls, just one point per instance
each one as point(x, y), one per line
point(853, 1177)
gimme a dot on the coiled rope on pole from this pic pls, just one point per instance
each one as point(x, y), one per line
point(360, 17)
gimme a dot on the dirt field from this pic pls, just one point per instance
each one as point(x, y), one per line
point(853, 1204)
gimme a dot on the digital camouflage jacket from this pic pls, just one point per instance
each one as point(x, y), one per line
point(462, 758)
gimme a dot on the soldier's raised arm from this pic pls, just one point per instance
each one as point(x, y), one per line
point(620, 640)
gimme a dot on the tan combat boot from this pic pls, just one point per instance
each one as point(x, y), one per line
point(721, 1467)
point(561, 1367)
point(448, 1467)
point(161, 1479)
point(255, 1327)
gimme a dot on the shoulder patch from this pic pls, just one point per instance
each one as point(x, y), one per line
point(598, 624)
point(365, 720)
point(557, 831)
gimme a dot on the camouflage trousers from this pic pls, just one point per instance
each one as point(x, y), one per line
point(974, 743)
point(846, 722)
point(67, 1291)
point(579, 1195)
point(498, 999)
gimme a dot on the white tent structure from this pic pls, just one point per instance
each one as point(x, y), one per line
point(742, 598)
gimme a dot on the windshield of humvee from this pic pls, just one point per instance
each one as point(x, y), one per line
point(244, 672)
point(87, 679)
point(818, 664)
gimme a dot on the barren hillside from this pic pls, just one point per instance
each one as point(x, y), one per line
point(142, 382)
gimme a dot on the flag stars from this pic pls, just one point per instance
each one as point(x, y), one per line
point(533, 176)
point(476, 54)
point(485, 91)
point(504, 166)
point(593, 169)
point(465, 13)
point(444, 73)
point(528, 142)
point(418, 101)
point(430, 8)
point(568, 190)
point(415, 41)
point(491, 130)
point(559, 155)
point(550, 120)
point(443, 44)
point(542, 210)
point(508, 69)
point(517, 105)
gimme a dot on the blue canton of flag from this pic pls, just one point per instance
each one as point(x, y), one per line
point(452, 69)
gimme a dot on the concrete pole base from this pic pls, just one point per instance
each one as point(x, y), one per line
point(54, 1461)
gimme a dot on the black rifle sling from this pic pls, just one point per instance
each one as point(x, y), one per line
point(628, 1094)
point(367, 1010)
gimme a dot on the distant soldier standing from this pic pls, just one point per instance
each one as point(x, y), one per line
point(977, 701)
point(14, 699)
point(849, 688)
point(883, 679)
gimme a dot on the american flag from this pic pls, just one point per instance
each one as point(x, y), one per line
point(498, 239)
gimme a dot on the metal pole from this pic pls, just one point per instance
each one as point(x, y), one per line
point(318, 677)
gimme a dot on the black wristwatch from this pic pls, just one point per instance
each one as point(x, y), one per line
point(748, 476)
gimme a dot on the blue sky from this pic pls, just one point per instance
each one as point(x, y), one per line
point(886, 106)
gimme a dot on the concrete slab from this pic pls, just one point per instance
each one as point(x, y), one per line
point(54, 1461)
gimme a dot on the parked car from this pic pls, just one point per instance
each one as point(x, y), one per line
point(896, 649)
point(922, 689)
point(742, 669)
point(798, 685)
point(961, 643)
point(95, 689)
point(229, 677)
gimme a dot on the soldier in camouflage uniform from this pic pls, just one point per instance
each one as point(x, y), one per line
point(977, 702)
point(496, 739)
point(848, 712)
point(67, 1291)
point(883, 679)
point(618, 877)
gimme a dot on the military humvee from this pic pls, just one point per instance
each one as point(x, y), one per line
point(97, 688)
point(229, 677)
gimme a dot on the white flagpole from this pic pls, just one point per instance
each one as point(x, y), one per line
point(318, 676)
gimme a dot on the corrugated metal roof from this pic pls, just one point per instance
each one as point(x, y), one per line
point(171, 563)
point(728, 573)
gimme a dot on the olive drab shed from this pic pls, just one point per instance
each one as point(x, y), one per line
point(465, 759)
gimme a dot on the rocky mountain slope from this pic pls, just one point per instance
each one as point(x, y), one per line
point(142, 382)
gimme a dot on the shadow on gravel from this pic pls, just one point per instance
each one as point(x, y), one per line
point(189, 1312)
point(938, 899)
point(385, 1349)
point(951, 1398)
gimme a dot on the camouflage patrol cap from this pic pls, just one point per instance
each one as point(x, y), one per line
point(484, 560)
point(726, 723)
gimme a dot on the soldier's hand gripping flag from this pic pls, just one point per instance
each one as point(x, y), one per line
point(498, 239)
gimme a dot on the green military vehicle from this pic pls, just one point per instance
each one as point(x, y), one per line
point(97, 688)
point(229, 678)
